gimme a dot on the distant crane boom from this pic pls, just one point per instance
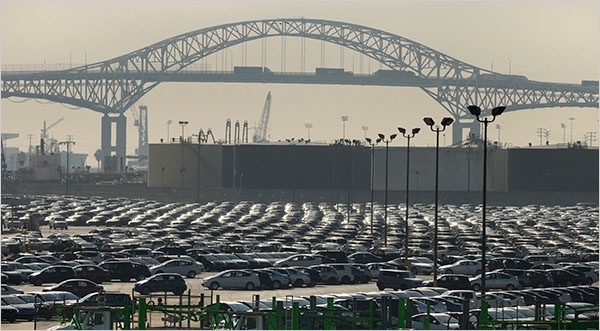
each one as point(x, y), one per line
point(260, 132)
point(46, 128)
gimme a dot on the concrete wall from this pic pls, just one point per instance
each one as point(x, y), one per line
point(330, 167)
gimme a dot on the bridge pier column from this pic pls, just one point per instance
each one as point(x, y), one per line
point(463, 128)
point(113, 156)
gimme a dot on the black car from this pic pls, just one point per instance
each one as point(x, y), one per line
point(52, 274)
point(125, 270)
point(9, 313)
point(451, 282)
point(92, 272)
point(166, 282)
point(361, 276)
point(397, 279)
point(26, 310)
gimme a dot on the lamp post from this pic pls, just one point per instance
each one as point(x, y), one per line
point(365, 129)
point(168, 124)
point(308, 126)
point(182, 169)
point(372, 144)
point(344, 120)
point(446, 121)
point(571, 119)
point(563, 126)
point(498, 127)
point(476, 111)
point(387, 142)
point(407, 136)
point(68, 143)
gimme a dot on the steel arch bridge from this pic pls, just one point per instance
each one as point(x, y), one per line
point(112, 86)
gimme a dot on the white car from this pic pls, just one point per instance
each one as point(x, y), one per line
point(299, 260)
point(465, 267)
point(183, 267)
point(437, 321)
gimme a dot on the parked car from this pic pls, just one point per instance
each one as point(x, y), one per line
point(5, 289)
point(538, 278)
point(344, 271)
point(9, 313)
point(299, 260)
point(179, 266)
point(125, 270)
point(26, 310)
point(79, 287)
point(451, 282)
point(496, 280)
point(58, 223)
point(361, 273)
point(327, 275)
point(363, 257)
point(52, 274)
point(420, 265)
point(92, 272)
point(465, 267)
point(437, 321)
point(232, 279)
point(106, 298)
point(397, 279)
point(167, 282)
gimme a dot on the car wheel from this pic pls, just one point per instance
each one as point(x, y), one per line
point(191, 274)
point(476, 287)
point(276, 284)
point(403, 286)
point(139, 277)
point(214, 286)
point(477, 272)
point(414, 271)
point(380, 287)
point(37, 282)
point(145, 290)
point(449, 271)
point(312, 283)
point(250, 286)
point(345, 280)
point(124, 279)
point(178, 291)
point(298, 283)
point(510, 287)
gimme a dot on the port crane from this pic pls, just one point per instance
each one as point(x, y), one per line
point(260, 132)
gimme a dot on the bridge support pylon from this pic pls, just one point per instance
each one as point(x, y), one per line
point(463, 129)
point(113, 156)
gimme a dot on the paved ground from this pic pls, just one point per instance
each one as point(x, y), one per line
point(195, 284)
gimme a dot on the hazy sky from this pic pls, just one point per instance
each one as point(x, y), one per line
point(551, 41)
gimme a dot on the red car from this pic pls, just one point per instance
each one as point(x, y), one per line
point(79, 287)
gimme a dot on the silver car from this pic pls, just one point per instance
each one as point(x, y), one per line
point(183, 267)
point(496, 279)
point(232, 279)
point(465, 267)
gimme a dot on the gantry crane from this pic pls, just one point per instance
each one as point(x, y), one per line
point(141, 122)
point(260, 132)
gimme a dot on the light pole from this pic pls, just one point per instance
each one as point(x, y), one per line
point(571, 119)
point(498, 127)
point(446, 121)
point(68, 143)
point(563, 126)
point(407, 136)
point(344, 120)
point(365, 129)
point(308, 126)
point(476, 111)
point(168, 136)
point(372, 144)
point(385, 225)
point(182, 169)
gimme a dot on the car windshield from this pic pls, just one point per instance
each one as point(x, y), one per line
point(10, 300)
point(58, 296)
